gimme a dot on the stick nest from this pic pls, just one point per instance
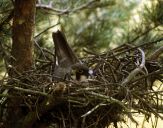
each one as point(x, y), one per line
point(122, 84)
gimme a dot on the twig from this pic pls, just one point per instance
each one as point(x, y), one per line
point(35, 42)
point(148, 75)
point(67, 11)
point(138, 46)
point(147, 104)
point(46, 50)
point(135, 71)
point(156, 54)
point(27, 90)
point(142, 34)
point(108, 99)
point(46, 30)
point(93, 109)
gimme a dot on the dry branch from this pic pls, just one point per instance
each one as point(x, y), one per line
point(121, 83)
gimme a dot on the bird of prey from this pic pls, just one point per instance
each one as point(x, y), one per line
point(66, 62)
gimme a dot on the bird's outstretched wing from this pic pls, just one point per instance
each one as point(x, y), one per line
point(64, 54)
point(66, 59)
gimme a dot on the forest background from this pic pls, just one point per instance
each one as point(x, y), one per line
point(95, 26)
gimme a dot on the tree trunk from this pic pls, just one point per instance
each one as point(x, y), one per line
point(23, 29)
point(22, 49)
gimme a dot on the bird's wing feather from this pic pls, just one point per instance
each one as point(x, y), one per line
point(63, 52)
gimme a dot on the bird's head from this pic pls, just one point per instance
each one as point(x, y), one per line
point(81, 72)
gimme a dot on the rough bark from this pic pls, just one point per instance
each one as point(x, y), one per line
point(23, 29)
point(22, 49)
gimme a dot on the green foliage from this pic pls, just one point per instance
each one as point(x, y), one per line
point(5, 25)
point(96, 28)
point(5, 33)
point(152, 19)
point(97, 25)
point(154, 14)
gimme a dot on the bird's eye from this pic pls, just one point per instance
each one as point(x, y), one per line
point(80, 71)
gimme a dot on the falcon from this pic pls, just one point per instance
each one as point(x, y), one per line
point(67, 65)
